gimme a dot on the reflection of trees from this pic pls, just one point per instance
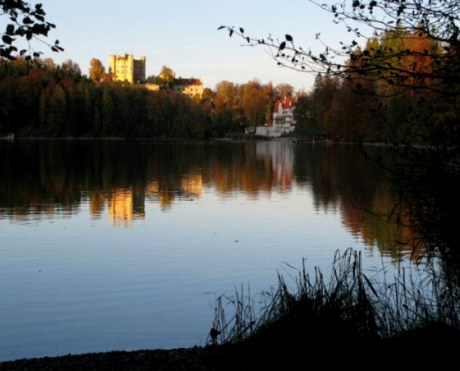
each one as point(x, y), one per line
point(30, 186)
point(355, 181)
point(46, 176)
point(51, 177)
point(117, 177)
point(96, 203)
point(429, 183)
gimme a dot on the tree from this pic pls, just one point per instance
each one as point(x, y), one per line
point(57, 112)
point(302, 112)
point(227, 111)
point(106, 111)
point(153, 79)
point(72, 68)
point(25, 22)
point(167, 76)
point(49, 63)
point(207, 95)
point(96, 70)
point(254, 103)
point(283, 90)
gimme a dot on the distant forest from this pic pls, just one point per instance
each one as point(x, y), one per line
point(41, 99)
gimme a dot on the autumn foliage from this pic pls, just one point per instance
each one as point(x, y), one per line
point(393, 90)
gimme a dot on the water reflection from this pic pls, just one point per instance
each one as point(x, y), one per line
point(127, 236)
point(53, 179)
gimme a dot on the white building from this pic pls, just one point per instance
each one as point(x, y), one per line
point(283, 114)
point(283, 119)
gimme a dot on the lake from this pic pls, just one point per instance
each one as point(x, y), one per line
point(113, 245)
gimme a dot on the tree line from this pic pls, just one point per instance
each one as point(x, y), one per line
point(391, 91)
point(41, 99)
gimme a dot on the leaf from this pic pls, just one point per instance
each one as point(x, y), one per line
point(27, 20)
point(10, 29)
point(282, 45)
point(220, 28)
point(289, 38)
point(230, 33)
point(7, 39)
point(241, 30)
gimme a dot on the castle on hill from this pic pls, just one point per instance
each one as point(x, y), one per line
point(129, 69)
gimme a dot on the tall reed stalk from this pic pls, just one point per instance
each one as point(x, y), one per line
point(349, 303)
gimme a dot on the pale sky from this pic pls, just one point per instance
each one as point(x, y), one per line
point(182, 35)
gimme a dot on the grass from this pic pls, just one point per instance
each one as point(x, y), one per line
point(349, 311)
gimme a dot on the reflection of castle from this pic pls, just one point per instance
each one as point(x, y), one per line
point(282, 156)
point(124, 206)
point(191, 186)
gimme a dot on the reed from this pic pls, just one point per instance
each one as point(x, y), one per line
point(349, 305)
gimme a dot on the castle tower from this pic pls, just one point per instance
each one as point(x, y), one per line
point(126, 68)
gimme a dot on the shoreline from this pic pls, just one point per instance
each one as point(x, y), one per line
point(194, 358)
point(229, 139)
point(263, 353)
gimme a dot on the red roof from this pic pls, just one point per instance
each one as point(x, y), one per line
point(285, 103)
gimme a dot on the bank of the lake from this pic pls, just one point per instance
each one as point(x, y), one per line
point(418, 348)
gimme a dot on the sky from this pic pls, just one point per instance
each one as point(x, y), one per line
point(183, 35)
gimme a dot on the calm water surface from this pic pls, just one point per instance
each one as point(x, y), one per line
point(115, 245)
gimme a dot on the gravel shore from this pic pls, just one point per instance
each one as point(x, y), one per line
point(196, 358)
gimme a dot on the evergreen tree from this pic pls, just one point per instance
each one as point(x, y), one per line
point(106, 112)
point(57, 117)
